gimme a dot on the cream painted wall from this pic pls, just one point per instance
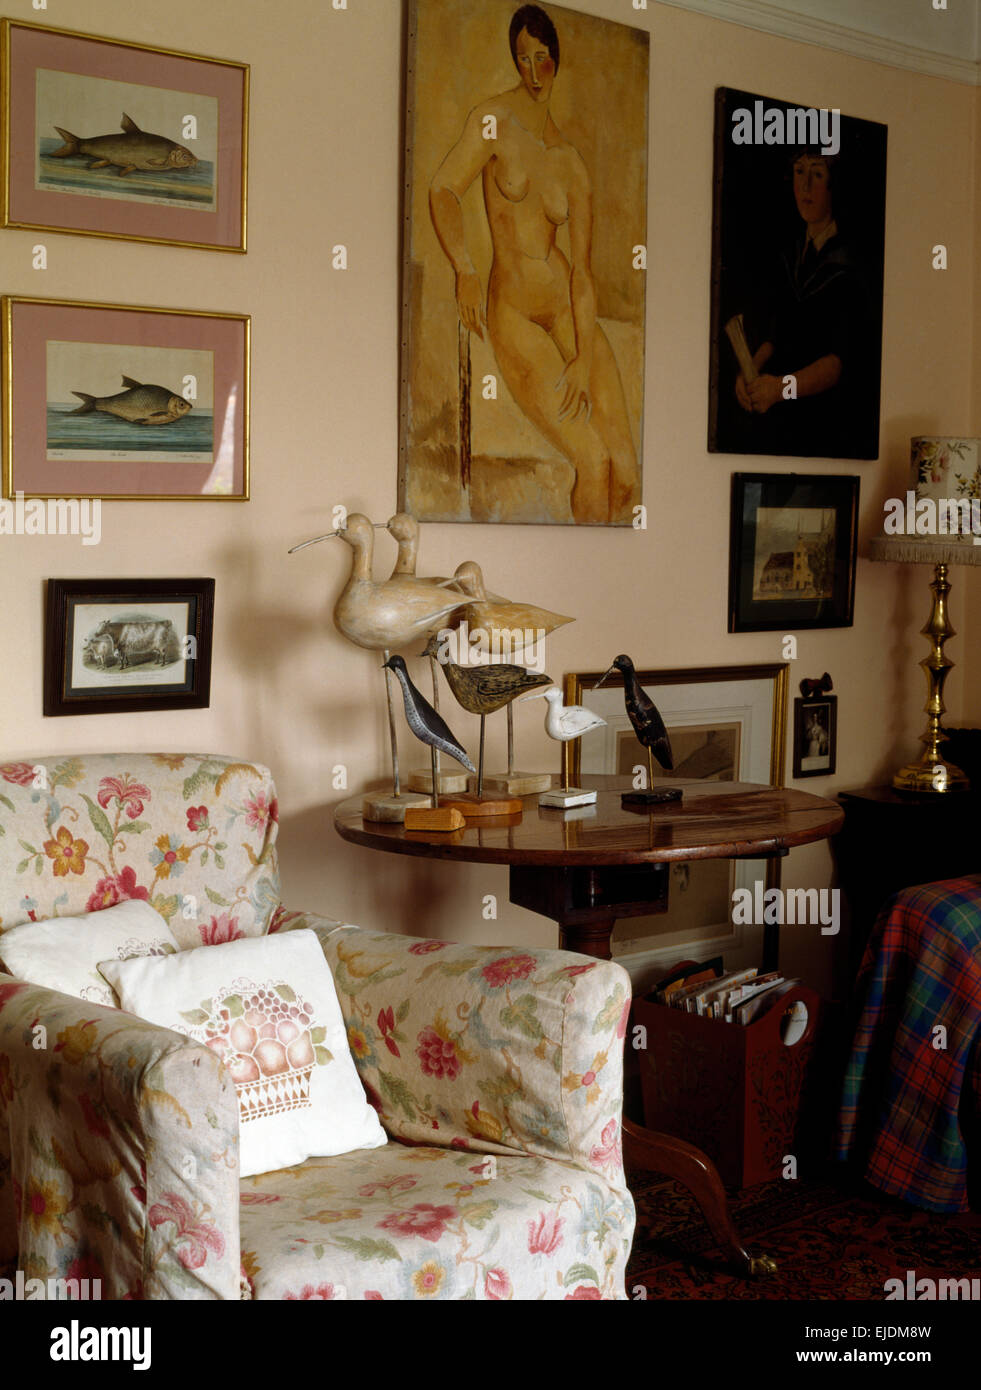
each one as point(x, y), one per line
point(325, 168)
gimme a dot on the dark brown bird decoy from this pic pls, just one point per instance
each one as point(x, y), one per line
point(647, 723)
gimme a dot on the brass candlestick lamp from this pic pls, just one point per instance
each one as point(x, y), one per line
point(938, 528)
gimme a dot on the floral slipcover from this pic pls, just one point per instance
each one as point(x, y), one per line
point(496, 1072)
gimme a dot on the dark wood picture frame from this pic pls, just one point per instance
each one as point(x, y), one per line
point(809, 585)
point(798, 250)
point(825, 708)
point(72, 664)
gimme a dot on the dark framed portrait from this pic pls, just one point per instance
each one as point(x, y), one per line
point(792, 544)
point(815, 736)
point(114, 645)
point(797, 269)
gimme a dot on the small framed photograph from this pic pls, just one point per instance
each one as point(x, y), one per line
point(792, 551)
point(815, 736)
point(104, 137)
point(124, 403)
point(114, 645)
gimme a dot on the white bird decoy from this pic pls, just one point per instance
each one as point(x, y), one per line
point(565, 722)
point(390, 615)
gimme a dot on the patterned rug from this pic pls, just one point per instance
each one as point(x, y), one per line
point(830, 1239)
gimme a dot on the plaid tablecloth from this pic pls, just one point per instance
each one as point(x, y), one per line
point(908, 1085)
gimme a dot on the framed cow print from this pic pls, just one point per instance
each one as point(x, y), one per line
point(118, 645)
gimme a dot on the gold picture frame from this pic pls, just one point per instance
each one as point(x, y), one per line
point(192, 367)
point(153, 141)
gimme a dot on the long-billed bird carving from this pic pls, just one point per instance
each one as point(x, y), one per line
point(427, 725)
point(643, 715)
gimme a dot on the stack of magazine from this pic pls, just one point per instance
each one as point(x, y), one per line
point(709, 991)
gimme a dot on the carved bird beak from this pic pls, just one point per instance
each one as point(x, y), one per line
point(609, 673)
point(316, 539)
point(537, 695)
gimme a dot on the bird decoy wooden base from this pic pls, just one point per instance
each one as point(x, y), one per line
point(421, 780)
point(445, 818)
point(474, 807)
point(384, 806)
point(654, 796)
point(517, 783)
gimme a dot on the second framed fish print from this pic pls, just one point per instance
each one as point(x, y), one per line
point(110, 138)
point(120, 402)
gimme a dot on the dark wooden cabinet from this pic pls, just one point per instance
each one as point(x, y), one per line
point(892, 840)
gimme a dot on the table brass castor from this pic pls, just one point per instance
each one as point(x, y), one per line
point(761, 1266)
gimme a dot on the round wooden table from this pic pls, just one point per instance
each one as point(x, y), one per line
point(590, 866)
point(586, 867)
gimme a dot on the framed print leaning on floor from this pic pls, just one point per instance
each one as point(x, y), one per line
point(104, 137)
point(126, 403)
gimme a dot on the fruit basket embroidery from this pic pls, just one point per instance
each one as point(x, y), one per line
point(267, 1038)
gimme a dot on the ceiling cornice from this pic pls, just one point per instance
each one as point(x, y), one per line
point(771, 18)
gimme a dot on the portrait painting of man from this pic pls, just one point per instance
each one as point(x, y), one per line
point(524, 265)
point(799, 225)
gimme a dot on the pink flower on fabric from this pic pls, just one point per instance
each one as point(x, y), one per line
point(497, 1284)
point(132, 795)
point(200, 1235)
point(437, 1055)
point(108, 891)
point(85, 1267)
point(422, 948)
point(20, 774)
point(573, 970)
point(259, 810)
point(197, 817)
point(606, 1154)
point(258, 1199)
point(502, 972)
point(622, 1025)
point(373, 1294)
point(280, 918)
point(323, 1292)
point(222, 928)
point(584, 1291)
point(545, 1234)
point(399, 1184)
point(423, 1220)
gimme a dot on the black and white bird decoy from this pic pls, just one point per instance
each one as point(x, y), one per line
point(648, 726)
point(423, 720)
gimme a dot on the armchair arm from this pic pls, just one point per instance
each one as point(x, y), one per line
point(485, 1048)
point(118, 1151)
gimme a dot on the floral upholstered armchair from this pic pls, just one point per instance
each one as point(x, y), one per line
point(496, 1073)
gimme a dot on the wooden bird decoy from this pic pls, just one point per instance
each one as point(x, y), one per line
point(386, 616)
point(427, 725)
point(649, 728)
point(565, 722)
point(485, 689)
point(495, 617)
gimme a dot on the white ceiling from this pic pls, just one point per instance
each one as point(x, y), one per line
point(904, 33)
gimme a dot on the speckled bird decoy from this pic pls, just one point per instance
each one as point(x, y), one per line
point(427, 725)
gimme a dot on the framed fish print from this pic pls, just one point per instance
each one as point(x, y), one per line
point(525, 229)
point(124, 403)
point(104, 137)
point(119, 645)
point(792, 545)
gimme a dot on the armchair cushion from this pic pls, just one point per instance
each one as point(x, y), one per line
point(267, 1007)
point(64, 952)
point(426, 1223)
point(193, 834)
point(118, 1144)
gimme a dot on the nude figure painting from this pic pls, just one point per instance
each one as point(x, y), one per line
point(525, 265)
